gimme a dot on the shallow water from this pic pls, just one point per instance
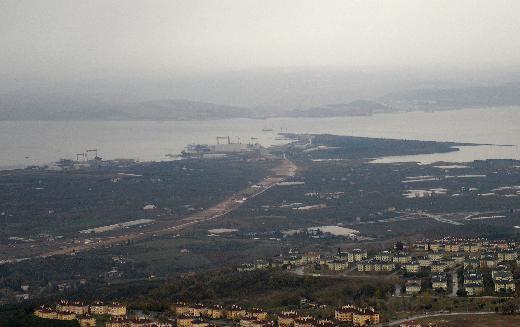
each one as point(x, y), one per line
point(34, 142)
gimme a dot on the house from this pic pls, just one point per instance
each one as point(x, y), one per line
point(117, 322)
point(472, 276)
point(436, 256)
point(337, 265)
point(66, 315)
point(45, 313)
point(261, 264)
point(507, 255)
point(364, 266)
point(471, 263)
point(501, 245)
point(411, 324)
point(357, 255)
point(286, 318)
point(503, 280)
point(86, 320)
point(139, 322)
point(311, 257)
point(450, 263)
point(185, 321)
point(452, 247)
point(327, 323)
point(387, 266)
point(436, 247)
point(504, 286)
point(182, 309)
point(293, 260)
point(358, 316)
point(473, 289)
point(488, 260)
point(215, 312)
point(98, 308)
point(365, 317)
point(235, 312)
point(402, 258)
point(197, 322)
point(197, 310)
point(257, 313)
point(472, 247)
point(75, 307)
point(250, 322)
point(276, 262)
point(412, 267)
point(439, 282)
point(458, 258)
point(438, 267)
point(245, 267)
point(473, 282)
point(373, 265)
point(306, 321)
point(421, 245)
point(384, 256)
point(413, 286)
point(502, 275)
point(116, 309)
point(424, 261)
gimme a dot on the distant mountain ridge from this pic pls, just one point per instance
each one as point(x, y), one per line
point(354, 108)
point(507, 94)
point(181, 109)
point(427, 98)
point(169, 109)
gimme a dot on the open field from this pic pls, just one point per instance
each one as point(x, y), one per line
point(166, 227)
point(491, 320)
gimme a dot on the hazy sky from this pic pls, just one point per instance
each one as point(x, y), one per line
point(63, 40)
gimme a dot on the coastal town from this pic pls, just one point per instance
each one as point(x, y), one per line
point(450, 266)
point(199, 315)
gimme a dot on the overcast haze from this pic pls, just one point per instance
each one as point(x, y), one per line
point(151, 46)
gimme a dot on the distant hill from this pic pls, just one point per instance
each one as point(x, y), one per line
point(151, 110)
point(439, 98)
point(81, 107)
point(354, 108)
point(185, 110)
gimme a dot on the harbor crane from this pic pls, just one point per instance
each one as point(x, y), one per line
point(84, 155)
point(223, 138)
point(92, 150)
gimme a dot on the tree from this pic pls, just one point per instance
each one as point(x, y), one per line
point(509, 308)
point(462, 293)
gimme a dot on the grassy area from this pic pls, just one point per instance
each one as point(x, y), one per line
point(493, 320)
point(68, 201)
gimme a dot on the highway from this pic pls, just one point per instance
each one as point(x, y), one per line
point(279, 174)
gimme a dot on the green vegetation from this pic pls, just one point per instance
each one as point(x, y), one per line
point(66, 202)
point(23, 317)
point(351, 147)
point(353, 192)
point(267, 289)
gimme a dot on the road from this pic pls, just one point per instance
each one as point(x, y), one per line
point(398, 322)
point(300, 271)
point(279, 174)
point(455, 283)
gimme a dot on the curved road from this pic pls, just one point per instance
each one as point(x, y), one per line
point(398, 322)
